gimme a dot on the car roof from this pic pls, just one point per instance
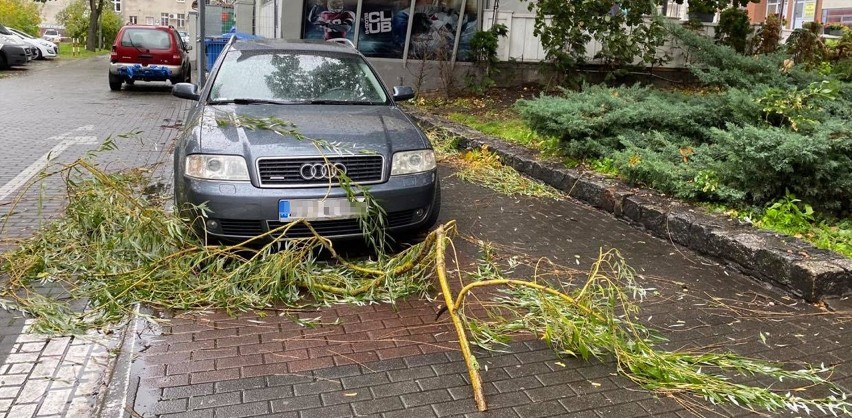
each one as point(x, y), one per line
point(125, 27)
point(294, 45)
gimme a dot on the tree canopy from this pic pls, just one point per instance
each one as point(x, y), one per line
point(20, 14)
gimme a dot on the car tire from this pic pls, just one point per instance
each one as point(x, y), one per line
point(114, 82)
point(39, 54)
point(4, 65)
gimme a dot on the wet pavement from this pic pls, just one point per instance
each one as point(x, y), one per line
point(379, 359)
point(53, 113)
point(385, 360)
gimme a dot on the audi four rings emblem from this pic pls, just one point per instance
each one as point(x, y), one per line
point(320, 171)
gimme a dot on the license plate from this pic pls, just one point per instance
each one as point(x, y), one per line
point(313, 209)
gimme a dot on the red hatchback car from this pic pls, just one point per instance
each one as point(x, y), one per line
point(148, 53)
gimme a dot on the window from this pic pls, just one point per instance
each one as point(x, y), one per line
point(147, 38)
point(116, 5)
point(181, 20)
point(773, 7)
point(164, 19)
point(132, 20)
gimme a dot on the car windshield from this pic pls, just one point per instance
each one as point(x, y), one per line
point(296, 77)
point(146, 39)
point(19, 33)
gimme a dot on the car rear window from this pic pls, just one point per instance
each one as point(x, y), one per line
point(146, 39)
point(296, 76)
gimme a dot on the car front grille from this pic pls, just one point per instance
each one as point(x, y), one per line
point(284, 172)
point(240, 228)
point(331, 228)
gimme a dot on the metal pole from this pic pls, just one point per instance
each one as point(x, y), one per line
point(408, 35)
point(357, 22)
point(458, 34)
point(202, 55)
point(275, 19)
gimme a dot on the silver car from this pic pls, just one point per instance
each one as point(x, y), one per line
point(280, 124)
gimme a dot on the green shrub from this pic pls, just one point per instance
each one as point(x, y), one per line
point(734, 29)
point(720, 65)
point(589, 123)
point(768, 37)
point(806, 46)
point(765, 162)
point(842, 70)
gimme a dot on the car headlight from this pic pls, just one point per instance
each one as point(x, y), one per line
point(409, 162)
point(217, 167)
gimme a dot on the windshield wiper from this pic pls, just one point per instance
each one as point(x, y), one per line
point(243, 101)
point(333, 102)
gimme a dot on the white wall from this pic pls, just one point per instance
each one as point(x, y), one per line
point(522, 45)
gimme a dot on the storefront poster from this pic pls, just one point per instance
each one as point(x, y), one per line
point(327, 19)
point(383, 26)
point(383, 30)
point(435, 25)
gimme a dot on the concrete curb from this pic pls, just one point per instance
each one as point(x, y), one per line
point(790, 263)
point(114, 401)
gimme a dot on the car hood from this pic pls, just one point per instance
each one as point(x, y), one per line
point(303, 130)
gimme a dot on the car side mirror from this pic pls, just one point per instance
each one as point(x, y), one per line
point(402, 93)
point(185, 91)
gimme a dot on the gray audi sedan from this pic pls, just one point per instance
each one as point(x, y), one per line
point(280, 125)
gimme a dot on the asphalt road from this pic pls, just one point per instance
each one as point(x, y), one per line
point(385, 361)
point(51, 113)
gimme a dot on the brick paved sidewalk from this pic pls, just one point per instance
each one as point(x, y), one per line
point(388, 361)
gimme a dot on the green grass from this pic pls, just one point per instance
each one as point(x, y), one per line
point(505, 126)
point(65, 52)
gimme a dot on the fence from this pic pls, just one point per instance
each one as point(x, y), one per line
point(522, 45)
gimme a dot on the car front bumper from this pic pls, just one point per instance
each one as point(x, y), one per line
point(48, 51)
point(238, 210)
point(16, 55)
point(144, 72)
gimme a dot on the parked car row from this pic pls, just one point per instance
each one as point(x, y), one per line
point(18, 48)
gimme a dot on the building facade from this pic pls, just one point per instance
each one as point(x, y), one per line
point(795, 13)
point(153, 12)
point(142, 12)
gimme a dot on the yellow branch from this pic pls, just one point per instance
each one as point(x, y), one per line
point(475, 379)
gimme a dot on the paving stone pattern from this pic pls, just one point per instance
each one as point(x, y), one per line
point(42, 106)
point(388, 361)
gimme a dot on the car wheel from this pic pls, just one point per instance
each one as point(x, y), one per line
point(114, 82)
point(4, 65)
point(39, 55)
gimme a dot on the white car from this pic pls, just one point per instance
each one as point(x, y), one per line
point(52, 35)
point(44, 48)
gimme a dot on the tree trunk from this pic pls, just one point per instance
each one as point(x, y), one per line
point(95, 8)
